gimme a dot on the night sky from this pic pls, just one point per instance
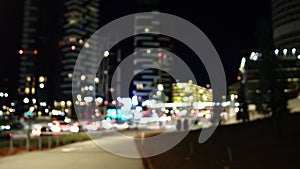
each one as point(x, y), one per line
point(230, 25)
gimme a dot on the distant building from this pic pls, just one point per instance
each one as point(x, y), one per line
point(286, 24)
point(147, 80)
point(189, 93)
point(81, 20)
point(29, 49)
point(258, 80)
point(256, 70)
point(36, 51)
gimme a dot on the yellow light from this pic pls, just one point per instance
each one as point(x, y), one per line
point(139, 86)
point(28, 79)
point(62, 103)
point(32, 90)
point(35, 52)
point(111, 89)
point(27, 90)
point(41, 79)
point(69, 103)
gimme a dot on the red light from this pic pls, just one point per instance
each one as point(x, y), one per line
point(250, 76)
point(21, 52)
point(73, 47)
point(160, 55)
point(105, 102)
point(10, 135)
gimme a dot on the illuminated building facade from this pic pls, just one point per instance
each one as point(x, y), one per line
point(287, 70)
point(286, 24)
point(80, 22)
point(147, 80)
point(190, 93)
point(35, 52)
point(28, 52)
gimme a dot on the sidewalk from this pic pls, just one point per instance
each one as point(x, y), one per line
point(84, 155)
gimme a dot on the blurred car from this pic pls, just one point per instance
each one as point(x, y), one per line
point(59, 126)
point(36, 130)
point(46, 131)
point(64, 126)
point(74, 128)
point(5, 135)
point(39, 130)
point(5, 127)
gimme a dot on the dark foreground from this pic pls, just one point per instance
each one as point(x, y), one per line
point(243, 146)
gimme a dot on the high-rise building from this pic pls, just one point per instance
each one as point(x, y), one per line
point(152, 55)
point(81, 20)
point(29, 49)
point(286, 24)
point(36, 51)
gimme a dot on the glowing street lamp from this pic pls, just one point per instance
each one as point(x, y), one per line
point(294, 51)
point(106, 54)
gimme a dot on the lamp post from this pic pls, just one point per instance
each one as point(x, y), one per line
point(29, 91)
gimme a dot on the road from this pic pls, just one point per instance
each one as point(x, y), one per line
point(83, 155)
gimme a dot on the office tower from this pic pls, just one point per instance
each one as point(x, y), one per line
point(29, 49)
point(38, 44)
point(286, 26)
point(81, 19)
point(148, 80)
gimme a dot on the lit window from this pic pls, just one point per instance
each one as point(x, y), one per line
point(72, 39)
point(73, 21)
point(27, 90)
point(73, 47)
point(41, 79)
point(21, 52)
point(139, 86)
point(35, 52)
point(32, 90)
point(70, 75)
point(28, 79)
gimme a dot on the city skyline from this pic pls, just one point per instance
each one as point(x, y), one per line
point(225, 36)
point(172, 84)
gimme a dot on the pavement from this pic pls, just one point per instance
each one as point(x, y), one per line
point(82, 155)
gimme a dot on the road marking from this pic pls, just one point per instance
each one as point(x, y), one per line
point(67, 150)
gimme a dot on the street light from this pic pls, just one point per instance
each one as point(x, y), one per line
point(294, 51)
point(285, 51)
point(276, 52)
point(106, 54)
